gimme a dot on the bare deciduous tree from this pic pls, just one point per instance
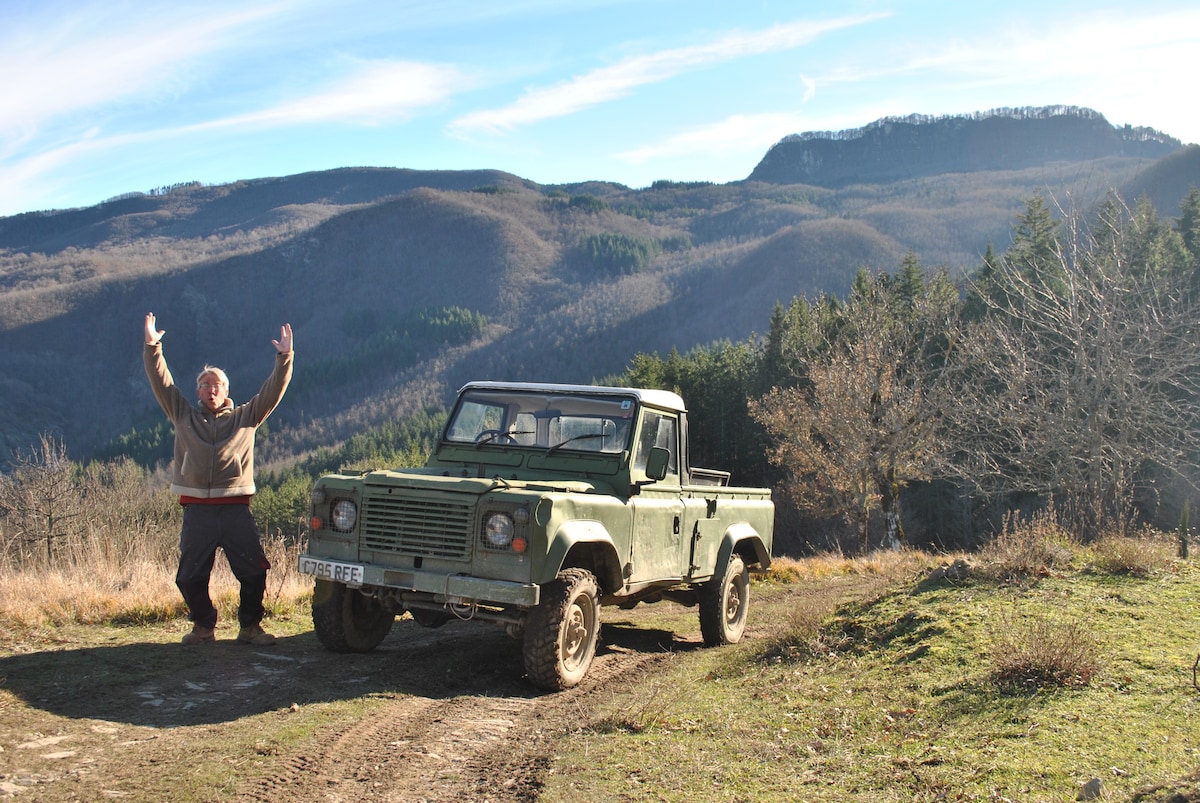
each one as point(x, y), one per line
point(40, 502)
point(861, 426)
point(1080, 380)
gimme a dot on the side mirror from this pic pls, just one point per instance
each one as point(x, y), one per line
point(657, 462)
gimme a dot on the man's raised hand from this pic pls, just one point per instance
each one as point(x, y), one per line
point(284, 344)
point(153, 335)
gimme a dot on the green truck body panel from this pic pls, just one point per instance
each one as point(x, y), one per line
point(528, 480)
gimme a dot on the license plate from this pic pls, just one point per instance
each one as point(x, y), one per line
point(346, 573)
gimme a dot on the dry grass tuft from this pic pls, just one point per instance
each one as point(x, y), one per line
point(1036, 652)
point(786, 570)
point(1027, 549)
point(883, 563)
point(649, 712)
point(806, 634)
point(1138, 556)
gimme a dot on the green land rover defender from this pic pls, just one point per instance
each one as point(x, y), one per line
point(540, 504)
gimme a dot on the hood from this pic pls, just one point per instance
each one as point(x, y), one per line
point(461, 482)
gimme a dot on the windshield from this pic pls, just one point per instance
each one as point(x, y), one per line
point(551, 421)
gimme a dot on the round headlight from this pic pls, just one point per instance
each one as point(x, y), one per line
point(498, 530)
point(344, 515)
point(318, 496)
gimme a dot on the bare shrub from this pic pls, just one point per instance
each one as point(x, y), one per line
point(287, 589)
point(1027, 549)
point(41, 511)
point(1038, 652)
point(128, 514)
point(1080, 374)
point(645, 712)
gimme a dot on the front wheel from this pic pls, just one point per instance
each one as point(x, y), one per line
point(724, 604)
point(562, 631)
point(347, 621)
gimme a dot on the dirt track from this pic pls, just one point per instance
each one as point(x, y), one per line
point(431, 715)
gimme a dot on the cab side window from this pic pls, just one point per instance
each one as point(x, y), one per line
point(658, 429)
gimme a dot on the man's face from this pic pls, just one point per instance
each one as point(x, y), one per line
point(211, 392)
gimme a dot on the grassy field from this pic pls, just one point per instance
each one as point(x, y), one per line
point(987, 687)
point(1020, 673)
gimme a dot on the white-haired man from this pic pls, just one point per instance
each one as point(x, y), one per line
point(213, 474)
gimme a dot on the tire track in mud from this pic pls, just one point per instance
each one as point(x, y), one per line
point(489, 746)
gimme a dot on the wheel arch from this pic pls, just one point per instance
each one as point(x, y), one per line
point(743, 539)
point(584, 544)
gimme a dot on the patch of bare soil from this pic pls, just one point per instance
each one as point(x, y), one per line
point(430, 715)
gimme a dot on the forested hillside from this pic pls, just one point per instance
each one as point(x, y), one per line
point(1062, 378)
point(402, 284)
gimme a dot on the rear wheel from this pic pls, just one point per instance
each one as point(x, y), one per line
point(347, 621)
point(562, 631)
point(724, 604)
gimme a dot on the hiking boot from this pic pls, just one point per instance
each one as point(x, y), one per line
point(255, 635)
point(200, 635)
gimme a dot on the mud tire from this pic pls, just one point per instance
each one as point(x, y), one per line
point(562, 631)
point(347, 621)
point(724, 604)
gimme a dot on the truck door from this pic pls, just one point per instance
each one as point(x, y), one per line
point(661, 547)
point(702, 524)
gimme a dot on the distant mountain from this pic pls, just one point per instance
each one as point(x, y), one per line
point(403, 284)
point(895, 149)
point(194, 210)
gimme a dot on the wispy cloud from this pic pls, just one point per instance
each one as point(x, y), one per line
point(617, 81)
point(78, 62)
point(1083, 62)
point(370, 93)
point(373, 93)
point(1097, 52)
point(741, 132)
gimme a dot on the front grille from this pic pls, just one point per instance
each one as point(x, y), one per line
point(422, 527)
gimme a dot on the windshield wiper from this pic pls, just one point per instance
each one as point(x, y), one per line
point(585, 436)
point(488, 437)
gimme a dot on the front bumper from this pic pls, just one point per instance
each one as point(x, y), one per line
point(454, 588)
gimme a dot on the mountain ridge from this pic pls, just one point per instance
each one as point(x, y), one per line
point(351, 256)
point(897, 148)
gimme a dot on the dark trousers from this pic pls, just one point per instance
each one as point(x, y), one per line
point(232, 529)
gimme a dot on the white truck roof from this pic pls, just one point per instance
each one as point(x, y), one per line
point(663, 399)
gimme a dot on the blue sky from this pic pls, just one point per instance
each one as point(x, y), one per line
point(104, 98)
